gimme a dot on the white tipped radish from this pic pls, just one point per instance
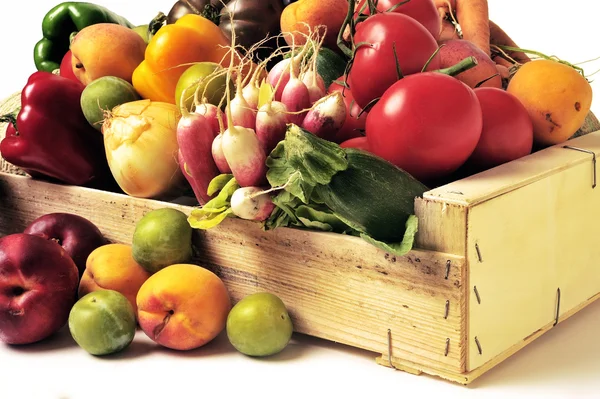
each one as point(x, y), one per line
point(326, 116)
point(251, 203)
point(240, 146)
point(245, 156)
point(281, 72)
point(241, 113)
point(296, 98)
point(212, 113)
point(315, 85)
point(250, 94)
point(271, 124)
point(279, 75)
point(218, 156)
point(194, 138)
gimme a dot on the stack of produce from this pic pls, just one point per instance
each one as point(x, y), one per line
point(62, 271)
point(329, 115)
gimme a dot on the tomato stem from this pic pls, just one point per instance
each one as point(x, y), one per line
point(459, 67)
point(437, 50)
point(393, 8)
point(398, 69)
point(348, 22)
point(486, 79)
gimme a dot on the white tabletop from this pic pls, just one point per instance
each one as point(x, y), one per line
point(564, 363)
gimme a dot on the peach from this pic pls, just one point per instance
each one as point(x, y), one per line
point(112, 267)
point(305, 16)
point(183, 306)
point(106, 49)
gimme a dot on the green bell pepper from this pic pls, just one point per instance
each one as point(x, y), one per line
point(61, 24)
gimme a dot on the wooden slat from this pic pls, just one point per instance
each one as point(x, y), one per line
point(336, 287)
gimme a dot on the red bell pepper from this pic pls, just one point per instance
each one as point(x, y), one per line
point(66, 68)
point(51, 137)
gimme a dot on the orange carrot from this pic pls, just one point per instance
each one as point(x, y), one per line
point(473, 17)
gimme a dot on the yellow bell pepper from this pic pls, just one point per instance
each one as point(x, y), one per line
point(169, 53)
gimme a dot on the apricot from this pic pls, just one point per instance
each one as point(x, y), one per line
point(112, 267)
point(304, 16)
point(183, 306)
point(106, 49)
point(557, 97)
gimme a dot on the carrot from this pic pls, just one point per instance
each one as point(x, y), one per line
point(499, 38)
point(473, 17)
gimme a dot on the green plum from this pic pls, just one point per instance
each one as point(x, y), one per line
point(162, 237)
point(102, 322)
point(259, 325)
point(208, 78)
point(102, 95)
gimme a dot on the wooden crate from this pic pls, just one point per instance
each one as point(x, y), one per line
point(501, 257)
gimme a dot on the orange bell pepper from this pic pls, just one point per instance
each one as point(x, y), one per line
point(169, 53)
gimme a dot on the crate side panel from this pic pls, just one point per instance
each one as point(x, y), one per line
point(522, 247)
point(336, 287)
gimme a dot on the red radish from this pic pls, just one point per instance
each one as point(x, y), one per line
point(311, 78)
point(295, 96)
point(245, 156)
point(279, 75)
point(212, 113)
point(218, 156)
point(242, 114)
point(240, 145)
point(326, 116)
point(356, 118)
point(250, 94)
point(315, 85)
point(271, 124)
point(251, 203)
point(194, 138)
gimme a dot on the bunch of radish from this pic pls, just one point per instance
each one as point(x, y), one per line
point(255, 118)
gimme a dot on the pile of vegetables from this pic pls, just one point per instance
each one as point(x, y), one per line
point(331, 115)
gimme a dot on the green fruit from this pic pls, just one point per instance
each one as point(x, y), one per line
point(259, 325)
point(201, 77)
point(102, 95)
point(142, 30)
point(162, 237)
point(102, 322)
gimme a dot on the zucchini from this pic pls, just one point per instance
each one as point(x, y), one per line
point(330, 65)
point(372, 196)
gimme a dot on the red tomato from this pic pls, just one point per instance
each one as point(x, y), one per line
point(358, 142)
point(507, 129)
point(374, 69)
point(427, 124)
point(423, 11)
point(354, 125)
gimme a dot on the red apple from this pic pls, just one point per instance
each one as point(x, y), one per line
point(38, 287)
point(77, 235)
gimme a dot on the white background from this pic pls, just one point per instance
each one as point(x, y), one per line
point(564, 363)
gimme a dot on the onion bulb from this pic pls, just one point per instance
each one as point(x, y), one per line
point(140, 141)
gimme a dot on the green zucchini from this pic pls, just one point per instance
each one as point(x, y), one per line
point(372, 196)
point(330, 65)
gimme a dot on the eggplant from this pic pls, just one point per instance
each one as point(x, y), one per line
point(253, 20)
